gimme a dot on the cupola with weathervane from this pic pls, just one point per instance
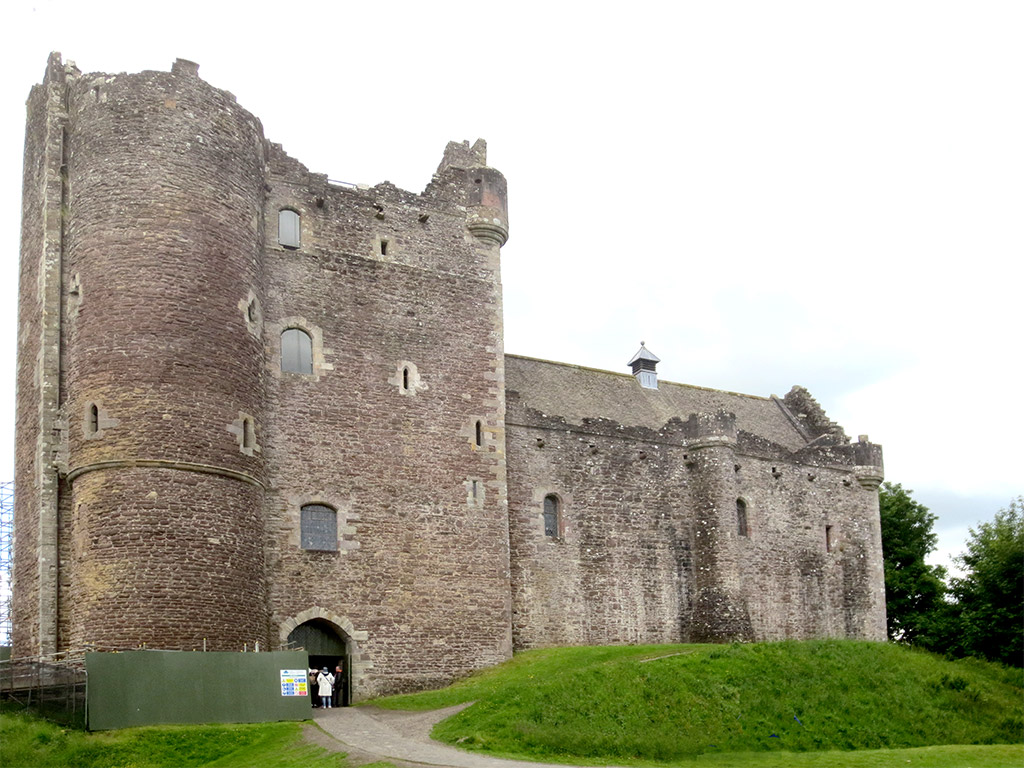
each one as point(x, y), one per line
point(643, 363)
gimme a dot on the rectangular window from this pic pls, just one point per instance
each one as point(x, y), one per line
point(551, 521)
point(319, 528)
point(288, 228)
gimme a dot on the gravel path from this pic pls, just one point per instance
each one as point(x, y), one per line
point(403, 737)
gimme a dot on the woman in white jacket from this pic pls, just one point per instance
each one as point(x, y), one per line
point(325, 681)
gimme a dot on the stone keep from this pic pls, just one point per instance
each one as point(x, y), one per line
point(258, 406)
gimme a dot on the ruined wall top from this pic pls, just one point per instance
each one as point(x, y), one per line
point(812, 416)
point(462, 155)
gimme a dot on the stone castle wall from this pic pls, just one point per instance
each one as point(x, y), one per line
point(164, 455)
point(164, 452)
point(422, 569)
point(649, 547)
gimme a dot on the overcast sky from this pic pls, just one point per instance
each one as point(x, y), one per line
point(768, 193)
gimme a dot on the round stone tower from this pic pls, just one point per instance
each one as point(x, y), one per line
point(162, 365)
point(720, 613)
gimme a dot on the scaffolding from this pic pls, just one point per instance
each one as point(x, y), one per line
point(6, 558)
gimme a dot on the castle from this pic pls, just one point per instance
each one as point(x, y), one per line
point(256, 406)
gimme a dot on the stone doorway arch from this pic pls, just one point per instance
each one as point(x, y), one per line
point(327, 639)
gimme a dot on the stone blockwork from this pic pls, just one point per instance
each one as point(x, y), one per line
point(213, 338)
point(650, 547)
point(385, 431)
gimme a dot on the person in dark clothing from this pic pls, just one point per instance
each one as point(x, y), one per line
point(338, 671)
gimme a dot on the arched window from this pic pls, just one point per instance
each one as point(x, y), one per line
point(93, 425)
point(551, 521)
point(479, 434)
point(741, 518)
point(296, 351)
point(319, 528)
point(288, 228)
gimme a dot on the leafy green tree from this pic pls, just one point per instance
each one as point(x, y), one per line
point(914, 591)
point(990, 597)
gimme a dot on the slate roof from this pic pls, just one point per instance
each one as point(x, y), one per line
point(574, 393)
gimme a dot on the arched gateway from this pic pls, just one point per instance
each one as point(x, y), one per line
point(327, 646)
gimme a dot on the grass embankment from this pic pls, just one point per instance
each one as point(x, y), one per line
point(29, 742)
point(669, 703)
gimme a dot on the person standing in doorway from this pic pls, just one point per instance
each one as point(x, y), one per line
point(338, 672)
point(313, 693)
point(325, 680)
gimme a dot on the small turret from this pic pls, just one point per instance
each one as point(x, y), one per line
point(487, 203)
point(869, 468)
point(644, 364)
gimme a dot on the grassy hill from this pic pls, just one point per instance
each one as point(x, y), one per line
point(27, 741)
point(665, 703)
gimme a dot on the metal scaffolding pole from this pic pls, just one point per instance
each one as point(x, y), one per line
point(6, 558)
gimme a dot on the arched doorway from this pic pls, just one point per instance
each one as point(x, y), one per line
point(327, 646)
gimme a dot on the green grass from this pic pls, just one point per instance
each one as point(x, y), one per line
point(1000, 756)
point(664, 704)
point(29, 742)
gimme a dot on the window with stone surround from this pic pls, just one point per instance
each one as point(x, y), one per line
point(248, 433)
point(288, 227)
point(296, 351)
point(552, 522)
point(741, 518)
point(319, 528)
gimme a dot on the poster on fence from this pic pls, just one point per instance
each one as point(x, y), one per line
point(294, 682)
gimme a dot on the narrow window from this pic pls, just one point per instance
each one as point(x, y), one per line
point(405, 378)
point(296, 351)
point(247, 433)
point(551, 516)
point(741, 518)
point(828, 538)
point(251, 311)
point(476, 489)
point(319, 526)
point(288, 228)
point(383, 247)
point(94, 419)
point(479, 434)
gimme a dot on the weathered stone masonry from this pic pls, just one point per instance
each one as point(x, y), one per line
point(172, 438)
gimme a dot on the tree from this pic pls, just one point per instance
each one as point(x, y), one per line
point(990, 596)
point(914, 590)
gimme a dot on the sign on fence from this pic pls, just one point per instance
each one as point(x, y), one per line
point(294, 682)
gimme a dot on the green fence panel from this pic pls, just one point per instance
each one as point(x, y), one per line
point(163, 687)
